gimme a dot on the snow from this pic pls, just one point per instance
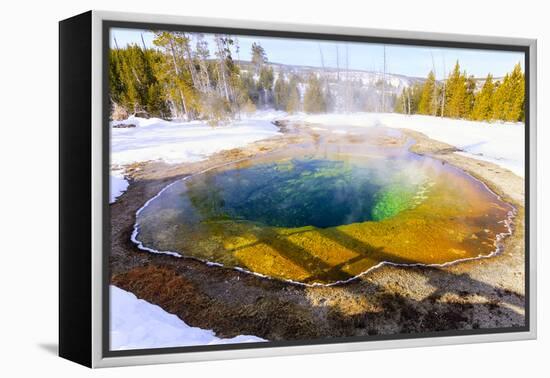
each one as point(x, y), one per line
point(178, 142)
point(118, 185)
point(138, 324)
point(502, 143)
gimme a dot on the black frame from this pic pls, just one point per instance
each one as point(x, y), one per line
point(108, 24)
point(75, 189)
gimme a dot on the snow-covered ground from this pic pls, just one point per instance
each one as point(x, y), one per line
point(502, 143)
point(138, 324)
point(178, 142)
point(118, 184)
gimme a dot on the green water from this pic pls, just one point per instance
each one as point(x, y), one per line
point(305, 192)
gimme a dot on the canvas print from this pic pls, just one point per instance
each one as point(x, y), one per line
point(279, 190)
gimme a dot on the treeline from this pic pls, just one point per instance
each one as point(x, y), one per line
point(458, 97)
point(181, 78)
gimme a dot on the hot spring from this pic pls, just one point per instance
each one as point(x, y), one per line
point(326, 211)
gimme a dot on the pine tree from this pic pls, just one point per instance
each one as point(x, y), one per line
point(263, 71)
point(428, 102)
point(134, 86)
point(259, 57)
point(409, 100)
point(202, 54)
point(509, 97)
point(174, 75)
point(497, 100)
point(314, 98)
point(517, 95)
point(502, 100)
point(265, 83)
point(249, 84)
point(483, 105)
point(293, 103)
point(281, 92)
point(401, 102)
point(456, 98)
point(469, 99)
point(224, 60)
point(116, 85)
point(497, 104)
point(230, 95)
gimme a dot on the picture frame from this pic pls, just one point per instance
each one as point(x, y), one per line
point(85, 268)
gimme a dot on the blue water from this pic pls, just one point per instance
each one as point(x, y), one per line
point(303, 192)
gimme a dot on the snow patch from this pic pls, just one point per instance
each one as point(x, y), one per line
point(179, 142)
point(118, 185)
point(138, 324)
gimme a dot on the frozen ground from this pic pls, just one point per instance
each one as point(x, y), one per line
point(137, 324)
point(178, 142)
point(118, 184)
point(501, 143)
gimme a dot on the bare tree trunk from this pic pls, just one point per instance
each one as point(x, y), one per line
point(325, 81)
point(143, 42)
point(135, 75)
point(384, 83)
point(348, 99)
point(206, 76)
point(337, 64)
point(444, 98)
point(225, 83)
point(191, 67)
point(222, 67)
point(434, 94)
point(176, 69)
point(444, 88)
point(202, 53)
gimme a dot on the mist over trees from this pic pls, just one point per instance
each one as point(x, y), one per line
point(457, 96)
point(192, 76)
point(286, 95)
point(185, 77)
point(314, 98)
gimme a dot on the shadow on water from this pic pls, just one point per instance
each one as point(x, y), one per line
point(443, 281)
point(391, 311)
point(438, 277)
point(449, 305)
point(299, 256)
point(455, 301)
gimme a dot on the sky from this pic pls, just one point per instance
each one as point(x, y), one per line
point(415, 61)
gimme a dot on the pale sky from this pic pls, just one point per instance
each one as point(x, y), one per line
point(414, 61)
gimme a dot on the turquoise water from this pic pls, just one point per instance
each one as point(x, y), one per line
point(305, 192)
